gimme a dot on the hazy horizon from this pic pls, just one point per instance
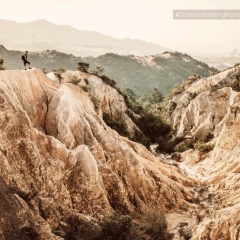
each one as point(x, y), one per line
point(151, 22)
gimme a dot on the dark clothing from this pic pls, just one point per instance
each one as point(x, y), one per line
point(25, 61)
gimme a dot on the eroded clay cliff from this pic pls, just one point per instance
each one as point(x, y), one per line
point(60, 161)
point(211, 107)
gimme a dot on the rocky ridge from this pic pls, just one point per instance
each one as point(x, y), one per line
point(61, 165)
point(211, 107)
point(60, 162)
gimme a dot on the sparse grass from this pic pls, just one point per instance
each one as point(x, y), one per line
point(97, 71)
point(203, 147)
point(154, 224)
point(58, 73)
point(96, 101)
point(59, 70)
point(85, 88)
point(73, 79)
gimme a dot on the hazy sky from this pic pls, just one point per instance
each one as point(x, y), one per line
point(149, 20)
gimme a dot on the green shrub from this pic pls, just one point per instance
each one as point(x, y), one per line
point(96, 101)
point(59, 70)
point(154, 224)
point(108, 81)
point(1, 64)
point(73, 79)
point(203, 147)
point(141, 138)
point(151, 225)
point(97, 71)
point(152, 126)
point(154, 129)
point(164, 145)
point(58, 73)
point(85, 88)
point(115, 226)
point(118, 126)
point(207, 137)
point(78, 229)
point(181, 148)
point(82, 66)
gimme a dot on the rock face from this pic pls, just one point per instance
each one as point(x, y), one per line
point(110, 101)
point(212, 106)
point(60, 161)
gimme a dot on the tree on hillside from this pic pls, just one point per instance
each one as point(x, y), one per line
point(98, 70)
point(83, 67)
point(131, 95)
point(1, 64)
point(156, 96)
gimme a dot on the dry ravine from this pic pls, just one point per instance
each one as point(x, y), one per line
point(60, 162)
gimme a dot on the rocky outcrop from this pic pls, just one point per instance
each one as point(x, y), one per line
point(110, 101)
point(214, 109)
point(60, 161)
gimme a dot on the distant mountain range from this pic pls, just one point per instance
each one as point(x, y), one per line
point(141, 74)
point(43, 35)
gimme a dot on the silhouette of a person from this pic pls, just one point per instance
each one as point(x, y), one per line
point(25, 61)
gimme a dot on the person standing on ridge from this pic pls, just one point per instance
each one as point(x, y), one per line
point(25, 61)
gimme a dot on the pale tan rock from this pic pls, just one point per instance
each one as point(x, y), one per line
point(215, 109)
point(111, 102)
point(62, 160)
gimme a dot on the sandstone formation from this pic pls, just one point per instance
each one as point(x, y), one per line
point(61, 164)
point(211, 107)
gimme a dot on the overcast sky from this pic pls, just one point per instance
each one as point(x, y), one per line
point(149, 20)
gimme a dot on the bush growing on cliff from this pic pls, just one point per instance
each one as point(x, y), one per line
point(118, 126)
point(1, 64)
point(121, 128)
point(97, 71)
point(58, 73)
point(203, 147)
point(74, 79)
point(154, 224)
point(115, 226)
point(96, 101)
point(108, 81)
point(82, 66)
point(153, 127)
point(85, 88)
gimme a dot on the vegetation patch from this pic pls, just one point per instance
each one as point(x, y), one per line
point(152, 225)
point(118, 126)
point(83, 67)
point(73, 79)
point(153, 127)
point(85, 88)
point(203, 147)
point(96, 101)
point(1, 64)
point(58, 73)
